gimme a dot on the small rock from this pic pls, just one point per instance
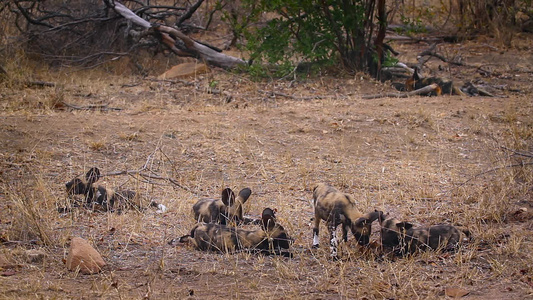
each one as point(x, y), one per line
point(34, 256)
point(83, 256)
point(455, 292)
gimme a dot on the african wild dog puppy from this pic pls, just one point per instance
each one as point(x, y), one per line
point(226, 210)
point(437, 237)
point(445, 87)
point(101, 198)
point(408, 240)
point(270, 239)
point(337, 208)
point(392, 230)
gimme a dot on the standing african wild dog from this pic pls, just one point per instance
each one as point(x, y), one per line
point(270, 239)
point(101, 198)
point(338, 208)
point(224, 210)
point(408, 239)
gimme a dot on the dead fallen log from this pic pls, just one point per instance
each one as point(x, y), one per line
point(423, 91)
point(178, 42)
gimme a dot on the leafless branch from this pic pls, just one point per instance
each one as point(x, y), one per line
point(425, 90)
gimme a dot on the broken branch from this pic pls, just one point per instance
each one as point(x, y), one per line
point(425, 90)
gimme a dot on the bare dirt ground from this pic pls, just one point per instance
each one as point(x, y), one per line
point(424, 159)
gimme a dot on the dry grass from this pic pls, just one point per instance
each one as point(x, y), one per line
point(421, 159)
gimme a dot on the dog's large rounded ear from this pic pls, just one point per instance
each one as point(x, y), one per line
point(228, 197)
point(404, 225)
point(361, 222)
point(244, 194)
point(92, 175)
point(268, 219)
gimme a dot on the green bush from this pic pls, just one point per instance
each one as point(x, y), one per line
point(321, 32)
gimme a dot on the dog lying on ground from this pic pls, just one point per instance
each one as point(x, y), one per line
point(406, 239)
point(224, 211)
point(99, 198)
point(270, 239)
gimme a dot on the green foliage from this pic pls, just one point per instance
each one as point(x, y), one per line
point(411, 26)
point(321, 32)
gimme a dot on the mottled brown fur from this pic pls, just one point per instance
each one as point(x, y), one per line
point(270, 239)
point(105, 199)
point(337, 208)
point(392, 230)
point(445, 87)
point(408, 240)
point(226, 210)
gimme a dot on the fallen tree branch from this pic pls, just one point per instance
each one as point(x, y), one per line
point(425, 90)
point(178, 42)
point(141, 172)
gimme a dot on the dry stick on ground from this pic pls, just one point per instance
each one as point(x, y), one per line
point(425, 90)
point(151, 176)
point(494, 170)
point(527, 154)
point(90, 107)
point(290, 96)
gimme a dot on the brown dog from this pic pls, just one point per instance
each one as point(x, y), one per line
point(104, 199)
point(270, 239)
point(338, 208)
point(226, 210)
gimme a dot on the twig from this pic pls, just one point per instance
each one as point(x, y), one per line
point(90, 107)
point(425, 90)
point(496, 169)
point(151, 176)
point(273, 93)
point(530, 155)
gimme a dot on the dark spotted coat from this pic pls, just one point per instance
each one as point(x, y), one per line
point(270, 239)
point(226, 210)
point(337, 208)
point(97, 197)
point(392, 230)
point(406, 239)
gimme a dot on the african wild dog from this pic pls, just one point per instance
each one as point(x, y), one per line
point(270, 239)
point(392, 230)
point(406, 239)
point(437, 237)
point(101, 198)
point(445, 87)
point(226, 210)
point(337, 208)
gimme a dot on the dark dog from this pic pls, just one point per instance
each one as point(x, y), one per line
point(392, 231)
point(338, 208)
point(226, 210)
point(445, 87)
point(270, 239)
point(407, 240)
point(103, 199)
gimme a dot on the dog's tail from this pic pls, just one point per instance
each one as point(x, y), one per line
point(160, 207)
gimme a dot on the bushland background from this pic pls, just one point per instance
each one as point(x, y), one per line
point(455, 159)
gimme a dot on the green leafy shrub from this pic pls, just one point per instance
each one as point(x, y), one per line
point(321, 32)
